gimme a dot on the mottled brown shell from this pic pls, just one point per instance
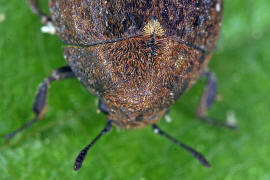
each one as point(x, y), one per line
point(139, 56)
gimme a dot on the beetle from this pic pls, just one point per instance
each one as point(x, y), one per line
point(137, 56)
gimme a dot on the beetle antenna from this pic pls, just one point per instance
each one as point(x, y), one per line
point(196, 154)
point(80, 158)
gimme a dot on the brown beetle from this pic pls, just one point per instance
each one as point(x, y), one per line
point(137, 56)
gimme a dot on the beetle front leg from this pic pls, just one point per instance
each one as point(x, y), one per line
point(208, 99)
point(41, 96)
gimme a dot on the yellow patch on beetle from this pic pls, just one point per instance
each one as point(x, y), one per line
point(179, 61)
point(153, 27)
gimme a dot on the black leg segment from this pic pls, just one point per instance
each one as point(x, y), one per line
point(41, 96)
point(208, 99)
point(102, 107)
point(196, 154)
point(80, 158)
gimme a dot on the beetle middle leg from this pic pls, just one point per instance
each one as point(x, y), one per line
point(39, 105)
point(208, 99)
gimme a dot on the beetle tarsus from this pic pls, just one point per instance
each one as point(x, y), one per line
point(39, 105)
point(196, 154)
point(207, 101)
point(219, 123)
point(30, 123)
point(80, 158)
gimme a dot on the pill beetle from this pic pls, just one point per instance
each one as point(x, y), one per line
point(137, 56)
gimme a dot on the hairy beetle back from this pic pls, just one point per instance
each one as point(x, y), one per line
point(138, 56)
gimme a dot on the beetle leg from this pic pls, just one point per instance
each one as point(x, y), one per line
point(196, 154)
point(80, 158)
point(103, 107)
point(35, 7)
point(208, 99)
point(41, 96)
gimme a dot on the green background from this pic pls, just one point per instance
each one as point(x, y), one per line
point(47, 150)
